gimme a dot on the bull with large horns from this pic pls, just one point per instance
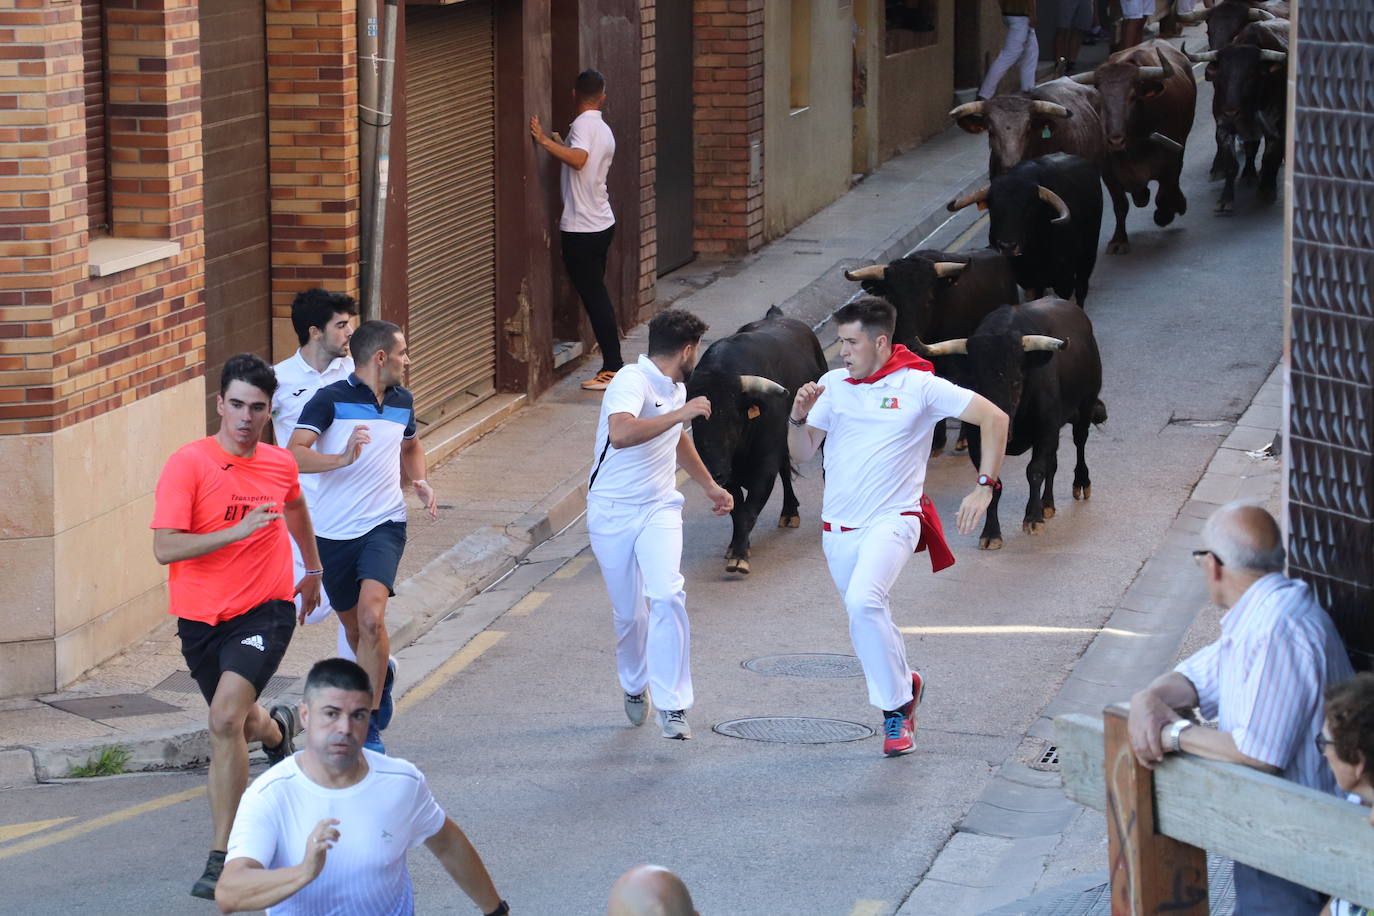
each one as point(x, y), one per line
point(1060, 116)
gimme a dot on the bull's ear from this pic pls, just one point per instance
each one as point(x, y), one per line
point(972, 123)
point(1148, 89)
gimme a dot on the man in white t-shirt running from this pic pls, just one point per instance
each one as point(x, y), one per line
point(588, 225)
point(634, 517)
point(323, 322)
point(876, 417)
point(327, 829)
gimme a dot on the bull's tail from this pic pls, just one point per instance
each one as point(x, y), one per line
point(1099, 413)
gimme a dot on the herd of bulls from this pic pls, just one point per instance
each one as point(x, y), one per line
point(1124, 124)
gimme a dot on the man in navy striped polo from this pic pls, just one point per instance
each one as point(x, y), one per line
point(358, 434)
point(1262, 681)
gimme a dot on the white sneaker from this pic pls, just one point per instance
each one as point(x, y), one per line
point(674, 724)
point(637, 707)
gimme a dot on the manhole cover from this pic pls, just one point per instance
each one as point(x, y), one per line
point(794, 730)
point(182, 682)
point(812, 664)
point(114, 707)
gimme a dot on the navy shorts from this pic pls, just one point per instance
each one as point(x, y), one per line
point(375, 555)
point(251, 645)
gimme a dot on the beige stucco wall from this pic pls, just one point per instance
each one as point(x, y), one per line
point(807, 152)
point(80, 583)
point(916, 88)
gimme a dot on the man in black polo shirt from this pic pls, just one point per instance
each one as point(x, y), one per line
point(358, 434)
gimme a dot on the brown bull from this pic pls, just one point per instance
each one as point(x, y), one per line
point(1060, 116)
point(1147, 99)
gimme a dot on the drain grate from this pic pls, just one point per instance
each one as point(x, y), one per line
point(182, 682)
point(1050, 757)
point(809, 664)
point(114, 707)
point(794, 730)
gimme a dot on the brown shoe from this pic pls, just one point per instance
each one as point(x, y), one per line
point(599, 382)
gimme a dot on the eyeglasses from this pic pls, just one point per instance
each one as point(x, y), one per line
point(1323, 743)
point(1199, 554)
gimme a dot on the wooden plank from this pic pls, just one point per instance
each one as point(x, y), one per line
point(1151, 873)
point(1079, 739)
point(1314, 839)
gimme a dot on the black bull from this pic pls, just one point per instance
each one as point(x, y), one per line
point(940, 295)
point(1039, 363)
point(749, 378)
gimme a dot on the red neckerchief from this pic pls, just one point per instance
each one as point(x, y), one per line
point(901, 358)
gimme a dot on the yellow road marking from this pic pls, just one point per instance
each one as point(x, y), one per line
point(528, 603)
point(15, 831)
point(439, 676)
point(571, 568)
point(114, 817)
point(867, 908)
point(1009, 630)
point(967, 235)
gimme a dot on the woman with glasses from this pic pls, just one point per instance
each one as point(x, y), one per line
point(1347, 742)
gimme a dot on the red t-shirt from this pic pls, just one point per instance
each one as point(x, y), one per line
point(203, 489)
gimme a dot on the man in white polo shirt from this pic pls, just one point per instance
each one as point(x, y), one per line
point(588, 225)
point(634, 517)
point(877, 416)
point(323, 322)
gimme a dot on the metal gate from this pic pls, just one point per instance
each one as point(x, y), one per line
point(451, 206)
point(238, 310)
point(673, 174)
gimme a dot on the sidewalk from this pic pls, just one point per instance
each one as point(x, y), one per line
point(504, 494)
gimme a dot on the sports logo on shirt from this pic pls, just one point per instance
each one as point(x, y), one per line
point(298, 392)
point(254, 641)
point(889, 404)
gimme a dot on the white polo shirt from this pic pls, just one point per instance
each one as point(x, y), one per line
point(877, 441)
point(645, 472)
point(381, 818)
point(297, 382)
point(586, 203)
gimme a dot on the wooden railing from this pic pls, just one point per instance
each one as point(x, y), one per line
point(1159, 823)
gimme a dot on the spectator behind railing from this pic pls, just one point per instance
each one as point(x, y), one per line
point(1348, 743)
point(1262, 681)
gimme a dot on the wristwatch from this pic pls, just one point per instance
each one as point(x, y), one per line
point(501, 910)
point(1175, 732)
point(986, 481)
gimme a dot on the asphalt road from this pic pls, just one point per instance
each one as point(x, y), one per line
point(527, 746)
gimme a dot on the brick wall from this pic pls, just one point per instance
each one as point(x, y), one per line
point(648, 119)
point(312, 72)
point(728, 118)
point(73, 347)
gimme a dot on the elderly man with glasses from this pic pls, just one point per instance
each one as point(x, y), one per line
point(1262, 681)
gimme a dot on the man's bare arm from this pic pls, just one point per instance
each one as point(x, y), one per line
point(246, 885)
point(309, 461)
point(171, 545)
point(453, 850)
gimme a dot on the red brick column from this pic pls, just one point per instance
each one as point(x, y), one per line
point(312, 80)
point(728, 119)
point(648, 130)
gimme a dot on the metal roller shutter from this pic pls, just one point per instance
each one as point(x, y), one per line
point(451, 206)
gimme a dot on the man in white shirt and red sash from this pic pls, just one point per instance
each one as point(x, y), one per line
point(877, 416)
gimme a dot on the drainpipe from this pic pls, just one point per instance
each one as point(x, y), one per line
point(377, 117)
point(369, 81)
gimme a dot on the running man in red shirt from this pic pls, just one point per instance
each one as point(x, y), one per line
point(224, 506)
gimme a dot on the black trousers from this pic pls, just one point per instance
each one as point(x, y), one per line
point(584, 254)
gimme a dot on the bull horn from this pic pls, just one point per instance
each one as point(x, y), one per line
point(1050, 109)
point(1259, 15)
point(1033, 342)
point(977, 197)
point(1200, 57)
point(1165, 65)
point(1167, 143)
point(871, 272)
point(956, 347)
point(1087, 77)
point(1195, 15)
point(947, 269)
point(966, 110)
point(1151, 73)
point(1054, 200)
point(1274, 57)
point(757, 384)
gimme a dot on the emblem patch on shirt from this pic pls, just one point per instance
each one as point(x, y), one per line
point(889, 404)
point(254, 641)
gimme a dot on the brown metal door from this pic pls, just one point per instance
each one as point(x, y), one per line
point(233, 60)
point(673, 173)
point(450, 192)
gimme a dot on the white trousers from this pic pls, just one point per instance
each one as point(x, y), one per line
point(865, 563)
point(324, 611)
point(639, 549)
point(1021, 47)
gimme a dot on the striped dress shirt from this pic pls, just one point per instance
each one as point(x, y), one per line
point(1264, 679)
